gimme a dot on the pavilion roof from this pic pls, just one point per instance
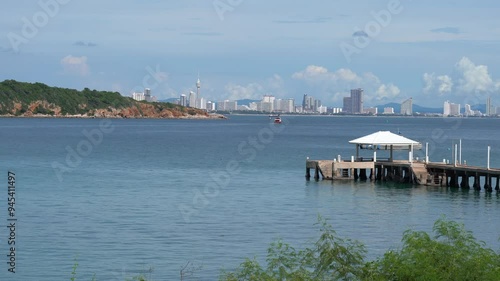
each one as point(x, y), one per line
point(385, 138)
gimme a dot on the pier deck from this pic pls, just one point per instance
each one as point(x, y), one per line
point(421, 173)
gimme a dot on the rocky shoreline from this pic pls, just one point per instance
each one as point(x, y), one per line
point(85, 116)
point(135, 111)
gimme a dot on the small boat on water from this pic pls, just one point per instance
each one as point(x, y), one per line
point(277, 120)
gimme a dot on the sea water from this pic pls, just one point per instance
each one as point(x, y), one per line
point(118, 198)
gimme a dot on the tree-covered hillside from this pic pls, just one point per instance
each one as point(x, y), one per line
point(28, 99)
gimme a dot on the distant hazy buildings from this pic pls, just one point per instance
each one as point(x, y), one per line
point(354, 103)
point(407, 107)
point(371, 110)
point(145, 96)
point(227, 105)
point(388, 110)
point(194, 99)
point(211, 106)
point(284, 105)
point(138, 96)
point(336, 110)
point(451, 109)
point(322, 109)
point(267, 103)
point(468, 110)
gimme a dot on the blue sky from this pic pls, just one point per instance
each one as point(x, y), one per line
point(394, 49)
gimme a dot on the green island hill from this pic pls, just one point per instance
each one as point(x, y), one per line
point(21, 99)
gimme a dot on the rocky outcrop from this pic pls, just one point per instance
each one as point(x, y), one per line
point(139, 110)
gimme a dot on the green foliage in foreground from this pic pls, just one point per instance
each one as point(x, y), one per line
point(451, 254)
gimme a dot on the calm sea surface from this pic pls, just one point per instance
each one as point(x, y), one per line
point(119, 197)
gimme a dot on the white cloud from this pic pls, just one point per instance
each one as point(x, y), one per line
point(473, 78)
point(250, 91)
point(333, 86)
point(446, 84)
point(312, 72)
point(75, 65)
point(389, 92)
point(429, 82)
point(437, 84)
point(274, 85)
point(468, 78)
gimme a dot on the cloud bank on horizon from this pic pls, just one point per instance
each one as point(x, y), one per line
point(394, 49)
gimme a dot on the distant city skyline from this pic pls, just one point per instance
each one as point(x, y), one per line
point(352, 104)
point(430, 51)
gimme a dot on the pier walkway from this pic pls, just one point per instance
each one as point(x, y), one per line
point(404, 171)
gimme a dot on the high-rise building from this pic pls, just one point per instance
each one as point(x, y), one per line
point(354, 103)
point(308, 103)
point(201, 103)
point(183, 100)
point(317, 105)
point(288, 105)
point(446, 108)
point(455, 109)
point(347, 107)
point(490, 110)
point(451, 109)
point(284, 105)
point(407, 107)
point(304, 101)
point(267, 103)
point(357, 100)
point(192, 99)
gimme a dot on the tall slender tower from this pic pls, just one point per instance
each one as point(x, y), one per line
point(198, 86)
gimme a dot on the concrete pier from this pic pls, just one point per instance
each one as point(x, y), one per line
point(403, 171)
point(453, 175)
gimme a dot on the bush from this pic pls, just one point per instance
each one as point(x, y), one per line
point(452, 254)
